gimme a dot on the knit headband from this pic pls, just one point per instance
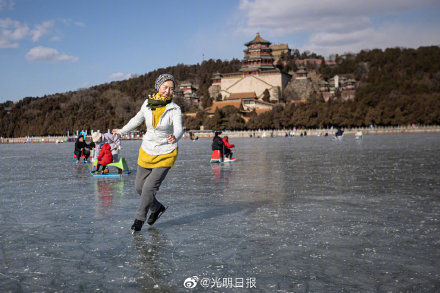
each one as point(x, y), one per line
point(162, 78)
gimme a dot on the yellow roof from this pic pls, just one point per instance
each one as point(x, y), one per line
point(243, 95)
point(221, 104)
point(257, 40)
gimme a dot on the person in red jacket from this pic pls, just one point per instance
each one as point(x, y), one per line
point(105, 157)
point(228, 146)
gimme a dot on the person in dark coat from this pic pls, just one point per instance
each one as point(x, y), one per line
point(105, 157)
point(81, 147)
point(217, 143)
point(339, 132)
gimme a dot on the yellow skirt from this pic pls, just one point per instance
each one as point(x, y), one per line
point(153, 161)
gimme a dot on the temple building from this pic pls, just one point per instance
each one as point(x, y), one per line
point(188, 92)
point(308, 62)
point(8, 109)
point(256, 74)
point(244, 102)
point(279, 50)
point(257, 56)
point(324, 89)
point(188, 89)
point(301, 73)
point(345, 86)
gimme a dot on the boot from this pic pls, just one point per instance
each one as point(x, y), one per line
point(156, 215)
point(137, 226)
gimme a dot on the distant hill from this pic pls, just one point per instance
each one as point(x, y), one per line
point(397, 86)
point(104, 106)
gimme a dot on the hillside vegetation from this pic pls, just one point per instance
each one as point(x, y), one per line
point(397, 86)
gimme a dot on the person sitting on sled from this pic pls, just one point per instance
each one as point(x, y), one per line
point(105, 157)
point(217, 143)
point(113, 140)
point(228, 146)
point(81, 147)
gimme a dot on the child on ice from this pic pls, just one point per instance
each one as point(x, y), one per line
point(100, 139)
point(105, 157)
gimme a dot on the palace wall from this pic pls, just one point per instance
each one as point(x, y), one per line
point(254, 83)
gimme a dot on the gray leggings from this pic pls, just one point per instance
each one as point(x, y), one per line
point(147, 184)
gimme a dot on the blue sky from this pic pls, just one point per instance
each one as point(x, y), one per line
point(49, 46)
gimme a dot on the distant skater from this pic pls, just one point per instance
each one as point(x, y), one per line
point(158, 152)
point(339, 132)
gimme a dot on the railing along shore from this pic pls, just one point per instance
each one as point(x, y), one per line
point(317, 132)
point(249, 133)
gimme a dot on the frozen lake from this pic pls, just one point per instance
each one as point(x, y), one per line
point(290, 215)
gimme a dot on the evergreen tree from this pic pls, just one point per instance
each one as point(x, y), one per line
point(266, 95)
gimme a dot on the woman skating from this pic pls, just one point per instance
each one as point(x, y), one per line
point(158, 151)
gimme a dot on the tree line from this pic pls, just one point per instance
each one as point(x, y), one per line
point(397, 86)
point(104, 106)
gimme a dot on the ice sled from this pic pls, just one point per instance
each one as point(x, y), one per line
point(120, 165)
point(216, 157)
point(82, 157)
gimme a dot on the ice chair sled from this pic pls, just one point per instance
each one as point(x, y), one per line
point(121, 165)
point(216, 156)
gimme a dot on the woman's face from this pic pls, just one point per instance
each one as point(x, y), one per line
point(167, 89)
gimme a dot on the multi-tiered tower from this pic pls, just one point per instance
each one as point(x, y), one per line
point(257, 56)
point(256, 75)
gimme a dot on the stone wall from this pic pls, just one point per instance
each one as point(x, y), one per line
point(253, 83)
point(302, 89)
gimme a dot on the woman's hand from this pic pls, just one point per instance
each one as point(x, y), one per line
point(171, 138)
point(115, 131)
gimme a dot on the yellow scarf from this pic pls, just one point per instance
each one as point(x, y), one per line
point(157, 100)
point(159, 97)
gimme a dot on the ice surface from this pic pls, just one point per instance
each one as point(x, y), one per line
point(297, 214)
